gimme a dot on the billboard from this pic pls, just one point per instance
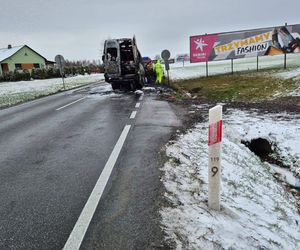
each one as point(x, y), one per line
point(245, 43)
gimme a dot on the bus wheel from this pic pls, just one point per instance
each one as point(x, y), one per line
point(115, 86)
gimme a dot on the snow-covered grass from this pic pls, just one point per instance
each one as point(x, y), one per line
point(15, 92)
point(257, 212)
point(293, 74)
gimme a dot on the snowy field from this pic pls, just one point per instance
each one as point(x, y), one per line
point(16, 92)
point(257, 212)
point(47, 85)
point(189, 71)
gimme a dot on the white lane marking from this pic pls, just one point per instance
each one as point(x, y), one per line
point(133, 114)
point(70, 103)
point(75, 239)
point(141, 97)
point(137, 105)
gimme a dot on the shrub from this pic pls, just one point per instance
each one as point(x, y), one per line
point(39, 74)
point(34, 74)
point(17, 76)
point(8, 76)
point(80, 70)
point(52, 73)
point(87, 70)
point(26, 75)
point(57, 73)
point(73, 70)
point(70, 70)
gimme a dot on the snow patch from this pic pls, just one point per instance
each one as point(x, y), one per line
point(15, 92)
point(149, 89)
point(257, 213)
point(103, 88)
point(47, 85)
point(139, 92)
point(295, 73)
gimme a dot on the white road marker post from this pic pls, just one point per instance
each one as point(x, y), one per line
point(214, 157)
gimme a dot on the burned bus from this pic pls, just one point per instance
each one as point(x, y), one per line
point(123, 64)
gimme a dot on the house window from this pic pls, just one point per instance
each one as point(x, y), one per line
point(18, 66)
point(25, 54)
point(36, 65)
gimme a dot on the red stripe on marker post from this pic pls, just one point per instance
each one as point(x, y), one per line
point(215, 133)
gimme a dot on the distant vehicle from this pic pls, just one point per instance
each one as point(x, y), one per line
point(123, 64)
point(182, 58)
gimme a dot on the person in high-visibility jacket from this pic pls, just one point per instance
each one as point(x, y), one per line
point(158, 68)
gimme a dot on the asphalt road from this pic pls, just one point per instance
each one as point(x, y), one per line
point(53, 151)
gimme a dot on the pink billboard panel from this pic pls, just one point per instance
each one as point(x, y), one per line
point(201, 47)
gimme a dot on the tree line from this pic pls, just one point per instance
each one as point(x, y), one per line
point(72, 68)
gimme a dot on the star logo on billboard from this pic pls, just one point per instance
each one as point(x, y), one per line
point(200, 44)
point(201, 47)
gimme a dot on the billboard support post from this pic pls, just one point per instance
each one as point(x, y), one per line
point(257, 63)
point(232, 66)
point(284, 64)
point(206, 68)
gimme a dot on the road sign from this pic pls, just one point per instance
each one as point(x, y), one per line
point(167, 66)
point(60, 61)
point(214, 156)
point(165, 54)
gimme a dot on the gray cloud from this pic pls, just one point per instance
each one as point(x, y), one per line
point(77, 28)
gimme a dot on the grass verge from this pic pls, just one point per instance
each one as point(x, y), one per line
point(14, 99)
point(237, 87)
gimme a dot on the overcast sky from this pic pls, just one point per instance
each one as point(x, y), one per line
point(77, 28)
